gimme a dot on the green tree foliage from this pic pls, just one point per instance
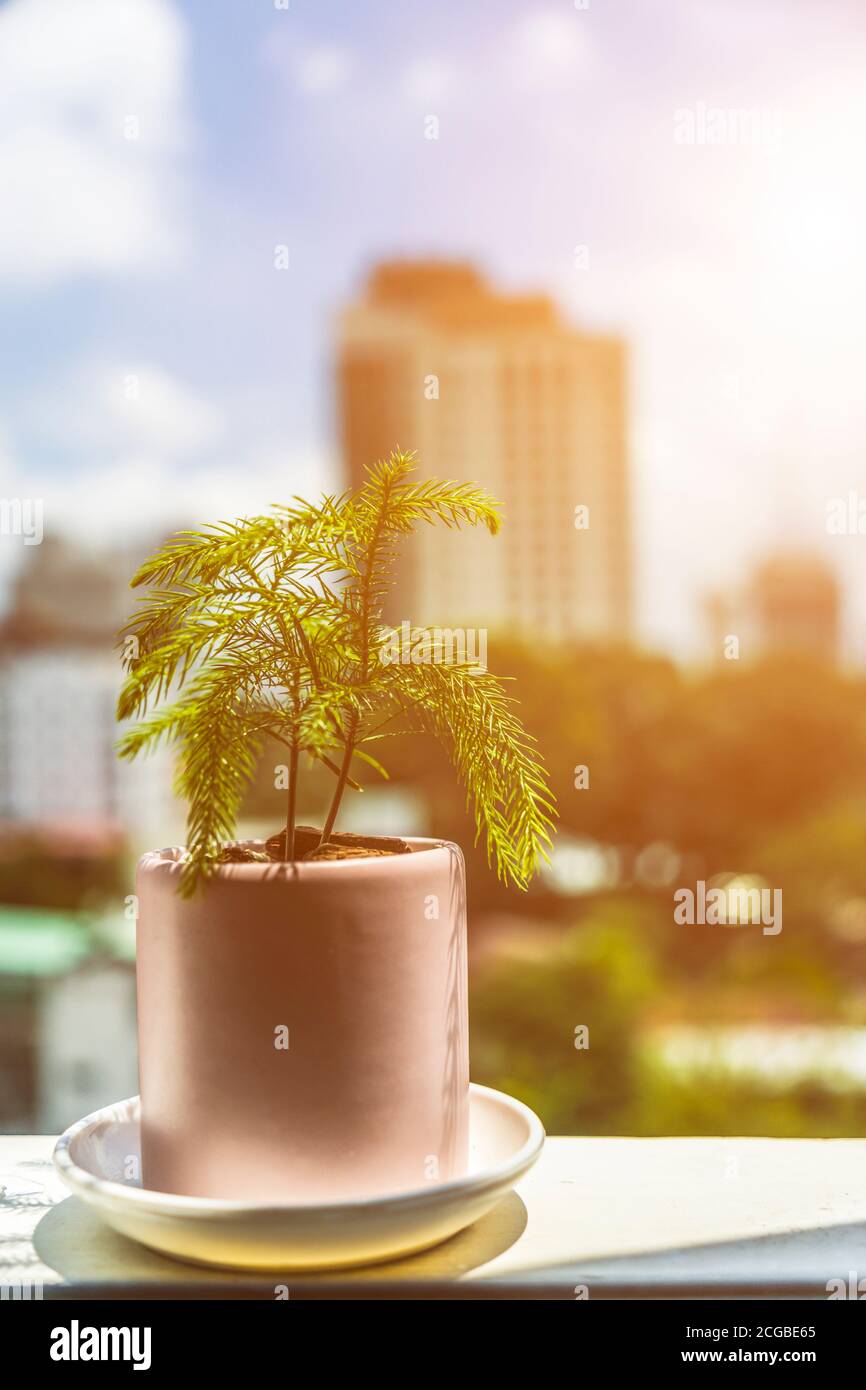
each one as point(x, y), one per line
point(597, 976)
point(754, 769)
point(272, 627)
point(718, 763)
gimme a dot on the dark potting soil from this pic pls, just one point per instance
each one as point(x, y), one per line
point(342, 845)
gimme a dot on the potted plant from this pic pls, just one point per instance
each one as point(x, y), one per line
point(302, 1001)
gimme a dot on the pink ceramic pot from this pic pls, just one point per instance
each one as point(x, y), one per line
point(359, 965)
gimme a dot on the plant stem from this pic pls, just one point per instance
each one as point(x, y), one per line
point(342, 778)
point(289, 847)
point(289, 851)
point(366, 589)
point(314, 670)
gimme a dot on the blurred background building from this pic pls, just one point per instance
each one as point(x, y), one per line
point(790, 605)
point(59, 676)
point(796, 602)
point(497, 388)
point(73, 819)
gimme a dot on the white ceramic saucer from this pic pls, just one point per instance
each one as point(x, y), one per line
point(92, 1157)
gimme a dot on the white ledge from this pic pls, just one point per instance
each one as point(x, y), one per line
point(596, 1218)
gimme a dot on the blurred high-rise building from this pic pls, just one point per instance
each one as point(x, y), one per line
point(796, 602)
point(496, 389)
point(790, 604)
point(67, 596)
point(60, 672)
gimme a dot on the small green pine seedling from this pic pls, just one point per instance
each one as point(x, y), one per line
point(273, 626)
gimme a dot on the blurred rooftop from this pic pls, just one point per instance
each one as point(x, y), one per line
point(455, 294)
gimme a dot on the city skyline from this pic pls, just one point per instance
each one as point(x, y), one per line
point(159, 368)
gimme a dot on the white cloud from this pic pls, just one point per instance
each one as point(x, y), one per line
point(7, 466)
point(549, 49)
point(323, 69)
point(76, 80)
point(136, 495)
point(140, 494)
point(312, 68)
point(109, 408)
point(429, 79)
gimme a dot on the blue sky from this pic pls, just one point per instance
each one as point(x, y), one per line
point(154, 365)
